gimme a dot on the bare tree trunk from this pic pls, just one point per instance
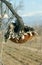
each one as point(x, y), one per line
point(1, 14)
point(19, 19)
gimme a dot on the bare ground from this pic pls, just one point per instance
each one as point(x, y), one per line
point(29, 53)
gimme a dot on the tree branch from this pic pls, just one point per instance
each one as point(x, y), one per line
point(19, 19)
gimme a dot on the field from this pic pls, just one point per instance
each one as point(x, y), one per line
point(29, 53)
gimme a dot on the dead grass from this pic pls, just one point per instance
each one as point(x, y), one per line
point(29, 53)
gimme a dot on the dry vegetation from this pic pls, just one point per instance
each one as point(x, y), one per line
point(29, 53)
